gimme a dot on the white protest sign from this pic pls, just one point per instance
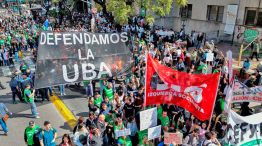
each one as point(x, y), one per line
point(210, 57)
point(154, 132)
point(242, 93)
point(229, 95)
point(124, 132)
point(148, 118)
point(241, 132)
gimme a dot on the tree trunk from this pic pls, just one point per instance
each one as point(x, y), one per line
point(104, 10)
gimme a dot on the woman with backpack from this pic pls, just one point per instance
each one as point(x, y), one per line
point(80, 137)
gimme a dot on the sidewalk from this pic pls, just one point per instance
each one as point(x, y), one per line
point(224, 47)
point(21, 117)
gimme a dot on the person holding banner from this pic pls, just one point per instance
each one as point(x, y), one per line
point(123, 140)
point(62, 90)
point(164, 120)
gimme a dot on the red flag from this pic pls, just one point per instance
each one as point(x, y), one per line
point(193, 92)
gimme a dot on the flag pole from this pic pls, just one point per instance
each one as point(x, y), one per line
point(209, 124)
point(146, 53)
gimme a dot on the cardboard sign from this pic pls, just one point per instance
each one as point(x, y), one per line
point(210, 57)
point(173, 137)
point(154, 132)
point(148, 118)
point(125, 132)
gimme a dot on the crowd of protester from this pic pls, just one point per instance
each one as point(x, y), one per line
point(117, 103)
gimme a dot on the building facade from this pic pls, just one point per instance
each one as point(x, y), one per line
point(216, 18)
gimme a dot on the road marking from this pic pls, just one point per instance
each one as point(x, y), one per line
point(64, 111)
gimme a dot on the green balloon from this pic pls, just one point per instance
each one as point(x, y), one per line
point(142, 12)
point(2, 42)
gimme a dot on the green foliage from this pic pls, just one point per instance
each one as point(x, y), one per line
point(182, 2)
point(121, 11)
point(55, 1)
point(150, 19)
point(98, 7)
point(162, 7)
point(52, 13)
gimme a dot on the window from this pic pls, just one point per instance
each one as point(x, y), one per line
point(215, 13)
point(186, 12)
point(259, 19)
point(253, 17)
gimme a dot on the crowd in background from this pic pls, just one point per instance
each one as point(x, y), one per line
point(118, 101)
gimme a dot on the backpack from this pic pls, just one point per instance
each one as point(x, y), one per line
point(36, 138)
point(83, 139)
point(13, 82)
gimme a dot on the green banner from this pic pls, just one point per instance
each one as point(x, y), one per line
point(252, 143)
point(142, 12)
point(256, 142)
point(250, 35)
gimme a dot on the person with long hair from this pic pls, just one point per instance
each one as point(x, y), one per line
point(66, 141)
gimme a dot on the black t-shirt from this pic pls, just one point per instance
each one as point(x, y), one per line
point(138, 101)
point(129, 110)
point(92, 107)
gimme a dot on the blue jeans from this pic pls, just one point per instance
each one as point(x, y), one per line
point(6, 62)
point(3, 125)
point(89, 90)
point(199, 44)
point(62, 89)
point(33, 109)
point(50, 91)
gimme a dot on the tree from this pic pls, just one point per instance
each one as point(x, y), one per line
point(102, 3)
point(122, 9)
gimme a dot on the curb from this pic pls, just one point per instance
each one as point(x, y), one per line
point(69, 117)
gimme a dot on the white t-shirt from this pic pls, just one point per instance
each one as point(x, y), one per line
point(167, 59)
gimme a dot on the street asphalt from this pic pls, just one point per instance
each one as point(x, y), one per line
point(21, 116)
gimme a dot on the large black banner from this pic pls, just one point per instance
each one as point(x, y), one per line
point(67, 57)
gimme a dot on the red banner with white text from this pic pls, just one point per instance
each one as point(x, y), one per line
point(193, 92)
